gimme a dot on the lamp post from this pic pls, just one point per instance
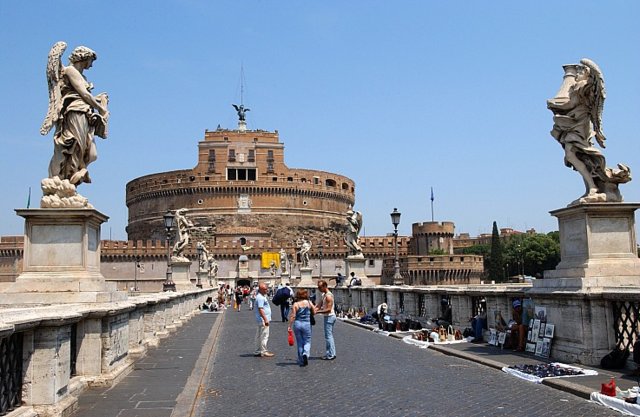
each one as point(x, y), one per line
point(200, 250)
point(320, 255)
point(395, 220)
point(135, 273)
point(168, 285)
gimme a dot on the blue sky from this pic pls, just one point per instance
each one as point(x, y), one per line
point(399, 96)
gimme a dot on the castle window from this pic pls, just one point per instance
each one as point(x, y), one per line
point(241, 174)
point(270, 155)
point(243, 241)
point(274, 179)
point(212, 160)
point(251, 157)
point(290, 179)
point(372, 262)
point(345, 186)
point(316, 180)
point(330, 183)
point(232, 155)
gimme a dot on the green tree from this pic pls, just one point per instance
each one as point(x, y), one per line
point(437, 251)
point(532, 254)
point(496, 272)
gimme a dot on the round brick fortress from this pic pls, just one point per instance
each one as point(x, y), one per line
point(240, 182)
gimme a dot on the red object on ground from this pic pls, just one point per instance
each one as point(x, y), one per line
point(609, 388)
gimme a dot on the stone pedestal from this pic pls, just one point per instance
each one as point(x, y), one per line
point(355, 264)
point(598, 264)
point(181, 275)
point(306, 279)
point(61, 261)
point(285, 277)
point(597, 247)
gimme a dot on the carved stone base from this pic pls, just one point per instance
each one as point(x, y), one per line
point(356, 264)
point(306, 279)
point(285, 277)
point(597, 241)
point(599, 264)
point(61, 261)
point(181, 275)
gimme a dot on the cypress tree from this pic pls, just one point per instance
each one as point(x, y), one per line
point(496, 272)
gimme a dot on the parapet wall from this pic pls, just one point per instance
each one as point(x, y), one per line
point(73, 347)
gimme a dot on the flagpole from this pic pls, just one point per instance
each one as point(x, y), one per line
point(432, 204)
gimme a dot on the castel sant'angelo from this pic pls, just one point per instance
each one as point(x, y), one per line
point(241, 185)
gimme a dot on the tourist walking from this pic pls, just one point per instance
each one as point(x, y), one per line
point(263, 318)
point(300, 322)
point(326, 307)
point(239, 297)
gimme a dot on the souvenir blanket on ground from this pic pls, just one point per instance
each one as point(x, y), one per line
point(617, 404)
point(541, 371)
point(425, 344)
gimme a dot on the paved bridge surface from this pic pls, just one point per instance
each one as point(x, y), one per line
point(207, 368)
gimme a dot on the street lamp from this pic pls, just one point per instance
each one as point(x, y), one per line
point(395, 220)
point(200, 250)
point(135, 273)
point(320, 255)
point(168, 284)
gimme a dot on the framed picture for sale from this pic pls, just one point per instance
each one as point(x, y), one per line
point(546, 348)
point(538, 351)
point(530, 347)
point(548, 331)
point(541, 331)
point(536, 330)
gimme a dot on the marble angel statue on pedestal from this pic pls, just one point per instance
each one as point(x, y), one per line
point(77, 116)
point(577, 117)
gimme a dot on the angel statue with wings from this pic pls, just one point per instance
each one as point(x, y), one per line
point(354, 224)
point(75, 113)
point(577, 117)
point(241, 110)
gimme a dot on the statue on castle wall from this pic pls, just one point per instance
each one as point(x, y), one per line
point(77, 116)
point(182, 227)
point(351, 237)
point(305, 246)
point(577, 117)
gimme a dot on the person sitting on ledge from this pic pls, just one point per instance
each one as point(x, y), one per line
point(209, 305)
point(518, 330)
point(478, 324)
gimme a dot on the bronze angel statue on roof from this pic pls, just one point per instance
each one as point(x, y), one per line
point(577, 117)
point(75, 113)
point(241, 110)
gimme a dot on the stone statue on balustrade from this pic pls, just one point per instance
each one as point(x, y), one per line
point(351, 237)
point(305, 246)
point(577, 117)
point(283, 260)
point(77, 116)
point(203, 260)
point(182, 226)
point(213, 269)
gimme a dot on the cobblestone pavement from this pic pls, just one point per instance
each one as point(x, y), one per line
point(373, 375)
point(153, 388)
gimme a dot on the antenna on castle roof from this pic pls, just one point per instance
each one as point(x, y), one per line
point(241, 84)
point(242, 124)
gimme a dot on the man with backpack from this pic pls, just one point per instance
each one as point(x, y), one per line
point(284, 298)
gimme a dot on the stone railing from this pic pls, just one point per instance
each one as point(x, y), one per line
point(424, 302)
point(615, 311)
point(53, 353)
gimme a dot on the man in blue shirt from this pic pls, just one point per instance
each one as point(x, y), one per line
point(263, 317)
